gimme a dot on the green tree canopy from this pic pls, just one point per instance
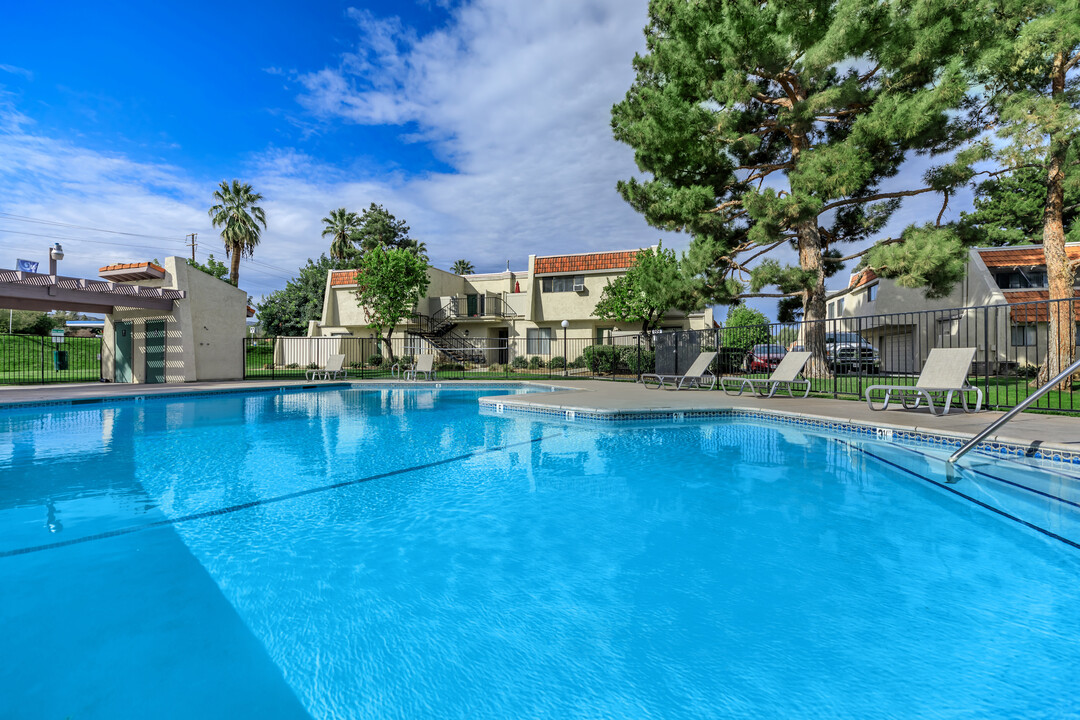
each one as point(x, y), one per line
point(1029, 69)
point(378, 228)
point(744, 328)
point(27, 322)
point(650, 288)
point(239, 216)
point(287, 312)
point(213, 267)
point(775, 123)
point(389, 284)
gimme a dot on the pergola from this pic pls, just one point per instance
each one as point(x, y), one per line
point(41, 291)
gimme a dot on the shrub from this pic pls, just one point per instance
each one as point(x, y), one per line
point(1027, 371)
point(312, 366)
point(602, 359)
point(578, 362)
point(557, 363)
point(375, 360)
point(520, 363)
point(356, 365)
point(536, 362)
point(630, 359)
point(449, 367)
point(293, 366)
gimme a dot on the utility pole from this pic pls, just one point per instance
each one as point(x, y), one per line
point(192, 244)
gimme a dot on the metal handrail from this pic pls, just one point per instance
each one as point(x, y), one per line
point(1050, 385)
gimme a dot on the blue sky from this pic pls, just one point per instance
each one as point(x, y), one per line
point(483, 124)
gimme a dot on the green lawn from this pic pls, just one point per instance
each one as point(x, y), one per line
point(29, 359)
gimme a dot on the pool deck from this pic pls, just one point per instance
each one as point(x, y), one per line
point(598, 397)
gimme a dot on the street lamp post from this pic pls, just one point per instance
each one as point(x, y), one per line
point(565, 357)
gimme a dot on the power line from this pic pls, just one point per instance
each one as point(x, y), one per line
point(57, 223)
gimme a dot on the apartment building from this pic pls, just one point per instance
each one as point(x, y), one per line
point(1000, 305)
point(489, 317)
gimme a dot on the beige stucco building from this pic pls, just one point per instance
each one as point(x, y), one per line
point(904, 325)
point(493, 317)
point(200, 338)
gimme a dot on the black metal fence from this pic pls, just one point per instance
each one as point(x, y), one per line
point(545, 357)
point(1011, 345)
point(851, 353)
point(37, 359)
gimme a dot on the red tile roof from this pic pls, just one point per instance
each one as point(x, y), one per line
point(1028, 256)
point(584, 263)
point(128, 266)
point(1037, 310)
point(342, 277)
point(863, 278)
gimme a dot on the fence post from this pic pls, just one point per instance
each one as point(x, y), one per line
point(42, 363)
point(639, 358)
point(273, 358)
point(986, 353)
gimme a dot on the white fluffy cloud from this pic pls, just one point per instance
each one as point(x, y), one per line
point(514, 97)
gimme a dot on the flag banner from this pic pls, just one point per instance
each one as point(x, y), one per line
point(26, 266)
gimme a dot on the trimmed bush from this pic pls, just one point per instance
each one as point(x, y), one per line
point(630, 358)
point(602, 359)
point(520, 363)
point(557, 363)
point(293, 366)
point(449, 367)
point(578, 362)
point(536, 362)
point(312, 366)
point(375, 360)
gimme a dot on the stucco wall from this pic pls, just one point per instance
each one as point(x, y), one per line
point(203, 333)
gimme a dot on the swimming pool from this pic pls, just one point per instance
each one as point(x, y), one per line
point(398, 554)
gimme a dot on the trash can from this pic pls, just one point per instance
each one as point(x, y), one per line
point(60, 360)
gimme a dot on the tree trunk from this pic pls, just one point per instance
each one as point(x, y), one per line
point(234, 273)
point(389, 346)
point(1061, 334)
point(810, 258)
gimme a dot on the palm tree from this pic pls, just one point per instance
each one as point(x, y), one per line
point(239, 217)
point(462, 267)
point(340, 226)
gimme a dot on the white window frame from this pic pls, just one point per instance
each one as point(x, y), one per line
point(538, 341)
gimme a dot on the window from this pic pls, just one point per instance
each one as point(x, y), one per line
point(562, 283)
point(948, 326)
point(603, 335)
point(1024, 335)
point(538, 341)
point(1019, 279)
point(871, 293)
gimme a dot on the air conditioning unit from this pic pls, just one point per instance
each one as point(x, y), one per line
point(579, 285)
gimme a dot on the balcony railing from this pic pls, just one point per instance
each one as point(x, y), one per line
point(480, 306)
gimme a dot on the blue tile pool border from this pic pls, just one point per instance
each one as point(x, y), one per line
point(916, 436)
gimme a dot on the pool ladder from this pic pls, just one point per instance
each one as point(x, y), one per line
point(1027, 402)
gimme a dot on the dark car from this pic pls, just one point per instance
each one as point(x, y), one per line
point(764, 358)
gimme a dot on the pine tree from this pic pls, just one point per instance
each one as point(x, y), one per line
point(771, 124)
point(1028, 67)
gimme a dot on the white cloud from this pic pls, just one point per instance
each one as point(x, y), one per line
point(16, 70)
point(515, 97)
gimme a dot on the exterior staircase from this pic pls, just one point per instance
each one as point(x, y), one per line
point(438, 329)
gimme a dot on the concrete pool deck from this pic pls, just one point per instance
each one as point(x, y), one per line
point(605, 398)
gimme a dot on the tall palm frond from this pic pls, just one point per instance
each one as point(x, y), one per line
point(462, 267)
point(341, 225)
point(237, 213)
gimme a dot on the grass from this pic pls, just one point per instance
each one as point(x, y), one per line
point(29, 359)
point(1000, 392)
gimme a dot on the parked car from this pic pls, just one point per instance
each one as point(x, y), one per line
point(847, 351)
point(763, 358)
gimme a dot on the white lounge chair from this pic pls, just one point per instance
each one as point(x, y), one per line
point(785, 376)
point(697, 372)
point(424, 364)
point(333, 370)
point(945, 372)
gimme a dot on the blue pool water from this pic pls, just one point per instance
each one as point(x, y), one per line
point(399, 554)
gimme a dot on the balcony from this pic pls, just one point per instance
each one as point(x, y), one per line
point(479, 307)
